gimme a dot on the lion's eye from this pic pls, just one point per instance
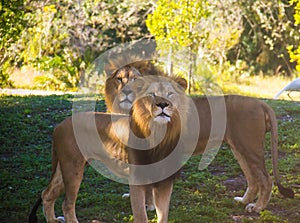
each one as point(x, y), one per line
point(151, 94)
point(170, 94)
point(120, 79)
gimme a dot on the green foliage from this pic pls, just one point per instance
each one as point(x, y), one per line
point(188, 34)
point(267, 30)
point(297, 11)
point(295, 56)
point(295, 53)
point(4, 76)
point(268, 217)
point(11, 25)
point(61, 74)
point(47, 45)
point(176, 21)
point(63, 37)
point(174, 25)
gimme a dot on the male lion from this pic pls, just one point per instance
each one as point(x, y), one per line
point(76, 140)
point(121, 71)
point(118, 95)
point(247, 121)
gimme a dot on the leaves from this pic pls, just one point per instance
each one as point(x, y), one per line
point(297, 11)
point(63, 37)
point(177, 21)
point(295, 53)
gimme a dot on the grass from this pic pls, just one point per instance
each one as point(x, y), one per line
point(261, 86)
point(26, 125)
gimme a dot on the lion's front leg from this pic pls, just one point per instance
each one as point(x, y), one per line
point(149, 199)
point(150, 206)
point(50, 194)
point(70, 200)
point(162, 195)
point(73, 174)
point(138, 198)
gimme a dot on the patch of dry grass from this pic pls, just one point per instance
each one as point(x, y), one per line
point(263, 87)
point(255, 86)
point(24, 78)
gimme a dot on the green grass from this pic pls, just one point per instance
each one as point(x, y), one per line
point(26, 125)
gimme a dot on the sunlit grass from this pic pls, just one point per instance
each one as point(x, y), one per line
point(262, 87)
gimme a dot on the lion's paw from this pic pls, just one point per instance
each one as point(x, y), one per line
point(251, 207)
point(126, 196)
point(239, 199)
point(61, 219)
point(150, 207)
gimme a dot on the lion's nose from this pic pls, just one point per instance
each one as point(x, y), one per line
point(162, 105)
point(126, 91)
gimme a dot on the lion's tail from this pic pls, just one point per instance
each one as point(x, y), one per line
point(32, 216)
point(287, 192)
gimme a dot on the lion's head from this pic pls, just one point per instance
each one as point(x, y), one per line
point(158, 120)
point(159, 101)
point(118, 94)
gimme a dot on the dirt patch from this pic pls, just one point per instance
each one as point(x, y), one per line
point(235, 183)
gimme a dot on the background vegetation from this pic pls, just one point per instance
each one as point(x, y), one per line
point(57, 40)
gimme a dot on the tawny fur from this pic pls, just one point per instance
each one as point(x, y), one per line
point(248, 121)
point(120, 72)
point(77, 132)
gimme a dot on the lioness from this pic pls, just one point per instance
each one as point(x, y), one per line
point(247, 121)
point(76, 140)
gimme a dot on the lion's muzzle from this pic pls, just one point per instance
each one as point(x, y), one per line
point(162, 112)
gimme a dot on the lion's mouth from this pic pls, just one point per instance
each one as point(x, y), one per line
point(126, 104)
point(125, 101)
point(162, 118)
point(164, 115)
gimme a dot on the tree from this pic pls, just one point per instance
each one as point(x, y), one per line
point(63, 37)
point(295, 53)
point(11, 25)
point(267, 30)
point(175, 23)
point(195, 30)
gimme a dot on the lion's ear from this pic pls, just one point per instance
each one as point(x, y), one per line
point(135, 71)
point(182, 82)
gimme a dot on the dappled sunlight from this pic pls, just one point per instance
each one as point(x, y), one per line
point(263, 87)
